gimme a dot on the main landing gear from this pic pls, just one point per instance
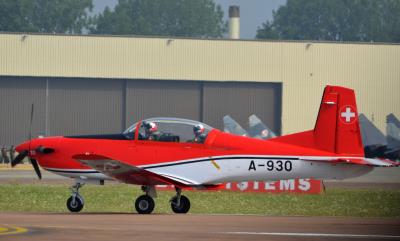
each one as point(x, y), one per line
point(179, 202)
point(145, 204)
point(75, 202)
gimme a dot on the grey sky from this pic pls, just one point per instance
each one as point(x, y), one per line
point(252, 12)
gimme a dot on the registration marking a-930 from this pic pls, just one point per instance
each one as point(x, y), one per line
point(271, 165)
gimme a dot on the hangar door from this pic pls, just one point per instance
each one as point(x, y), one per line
point(155, 98)
point(16, 97)
point(85, 106)
point(240, 100)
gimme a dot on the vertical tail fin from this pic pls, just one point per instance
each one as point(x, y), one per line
point(337, 128)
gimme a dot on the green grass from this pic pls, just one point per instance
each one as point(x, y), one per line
point(120, 198)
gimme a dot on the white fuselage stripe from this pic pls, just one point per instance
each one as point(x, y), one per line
point(187, 161)
point(304, 158)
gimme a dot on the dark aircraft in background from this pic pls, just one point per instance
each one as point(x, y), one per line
point(374, 140)
point(393, 137)
point(376, 144)
point(257, 129)
point(231, 126)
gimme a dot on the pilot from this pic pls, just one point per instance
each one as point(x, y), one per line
point(199, 135)
point(151, 131)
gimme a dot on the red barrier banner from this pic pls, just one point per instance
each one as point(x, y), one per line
point(306, 186)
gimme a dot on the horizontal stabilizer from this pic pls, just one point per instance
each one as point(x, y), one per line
point(354, 161)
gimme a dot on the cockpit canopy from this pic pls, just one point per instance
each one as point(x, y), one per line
point(168, 130)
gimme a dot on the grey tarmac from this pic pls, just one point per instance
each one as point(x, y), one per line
point(117, 226)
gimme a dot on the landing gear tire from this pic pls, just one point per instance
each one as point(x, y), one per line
point(75, 204)
point(144, 204)
point(184, 204)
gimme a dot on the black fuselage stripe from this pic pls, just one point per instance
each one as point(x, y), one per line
point(220, 158)
point(63, 171)
point(180, 179)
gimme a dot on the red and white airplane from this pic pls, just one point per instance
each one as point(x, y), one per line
point(175, 156)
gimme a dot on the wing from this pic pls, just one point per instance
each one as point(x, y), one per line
point(354, 161)
point(127, 173)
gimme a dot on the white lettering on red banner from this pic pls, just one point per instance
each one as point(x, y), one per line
point(310, 186)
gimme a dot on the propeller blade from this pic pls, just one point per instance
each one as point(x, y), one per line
point(12, 153)
point(30, 127)
point(19, 158)
point(36, 167)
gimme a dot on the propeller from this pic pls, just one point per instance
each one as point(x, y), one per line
point(36, 167)
point(25, 153)
point(18, 159)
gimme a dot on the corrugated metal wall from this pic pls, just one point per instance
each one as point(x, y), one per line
point(153, 98)
point(73, 106)
point(85, 106)
point(240, 100)
point(16, 97)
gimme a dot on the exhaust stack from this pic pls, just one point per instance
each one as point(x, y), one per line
point(234, 22)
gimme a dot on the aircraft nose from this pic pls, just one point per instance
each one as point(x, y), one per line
point(22, 147)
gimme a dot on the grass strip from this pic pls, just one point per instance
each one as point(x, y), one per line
point(120, 198)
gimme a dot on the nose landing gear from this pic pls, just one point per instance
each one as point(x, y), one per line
point(75, 203)
point(145, 204)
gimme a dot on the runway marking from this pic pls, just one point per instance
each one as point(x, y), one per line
point(326, 235)
point(8, 230)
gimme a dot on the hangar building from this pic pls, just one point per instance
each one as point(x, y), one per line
point(102, 84)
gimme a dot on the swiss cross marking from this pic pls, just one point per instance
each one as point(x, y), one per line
point(348, 115)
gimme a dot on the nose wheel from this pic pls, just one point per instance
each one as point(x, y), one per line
point(75, 203)
point(144, 204)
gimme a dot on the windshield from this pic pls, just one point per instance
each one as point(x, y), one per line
point(170, 130)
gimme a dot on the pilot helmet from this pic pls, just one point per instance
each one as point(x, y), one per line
point(150, 126)
point(198, 129)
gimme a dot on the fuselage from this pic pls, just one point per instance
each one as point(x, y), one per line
point(221, 158)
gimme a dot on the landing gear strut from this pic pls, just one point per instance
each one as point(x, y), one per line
point(75, 202)
point(145, 203)
point(179, 202)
